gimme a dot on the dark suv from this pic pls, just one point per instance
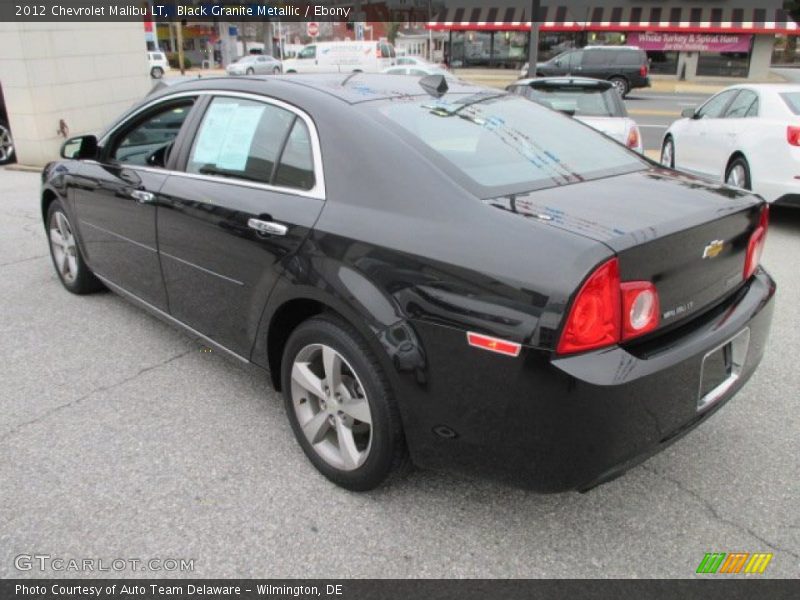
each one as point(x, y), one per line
point(624, 66)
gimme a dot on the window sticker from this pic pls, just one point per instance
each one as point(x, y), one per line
point(235, 147)
point(215, 124)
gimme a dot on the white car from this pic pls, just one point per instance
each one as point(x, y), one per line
point(255, 64)
point(594, 102)
point(419, 71)
point(417, 61)
point(158, 64)
point(746, 135)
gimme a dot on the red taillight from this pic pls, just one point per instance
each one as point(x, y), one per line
point(633, 138)
point(640, 308)
point(607, 311)
point(594, 319)
point(793, 135)
point(493, 344)
point(756, 244)
point(643, 71)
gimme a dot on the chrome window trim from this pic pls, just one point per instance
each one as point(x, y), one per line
point(317, 192)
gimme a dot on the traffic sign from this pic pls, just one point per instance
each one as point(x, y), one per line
point(312, 29)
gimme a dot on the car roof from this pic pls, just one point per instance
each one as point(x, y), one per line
point(347, 87)
point(778, 88)
point(582, 82)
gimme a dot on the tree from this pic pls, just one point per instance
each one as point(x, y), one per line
point(391, 31)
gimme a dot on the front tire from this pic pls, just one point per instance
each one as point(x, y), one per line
point(738, 174)
point(621, 85)
point(250, 71)
point(66, 253)
point(276, 71)
point(156, 72)
point(340, 405)
point(6, 144)
point(668, 153)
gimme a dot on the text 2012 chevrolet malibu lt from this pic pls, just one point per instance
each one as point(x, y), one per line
point(431, 272)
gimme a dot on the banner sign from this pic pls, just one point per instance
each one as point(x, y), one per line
point(690, 42)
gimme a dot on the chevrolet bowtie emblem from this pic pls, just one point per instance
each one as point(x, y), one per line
point(713, 249)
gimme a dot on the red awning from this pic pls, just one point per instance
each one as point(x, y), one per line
point(621, 18)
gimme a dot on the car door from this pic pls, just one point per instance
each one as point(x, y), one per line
point(250, 190)
point(693, 143)
point(116, 198)
point(594, 63)
point(733, 128)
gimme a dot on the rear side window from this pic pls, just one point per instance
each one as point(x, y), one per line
point(792, 100)
point(296, 167)
point(629, 58)
point(593, 58)
point(241, 139)
point(506, 144)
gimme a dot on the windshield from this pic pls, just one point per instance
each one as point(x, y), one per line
point(582, 102)
point(507, 144)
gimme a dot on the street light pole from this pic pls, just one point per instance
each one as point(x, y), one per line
point(533, 44)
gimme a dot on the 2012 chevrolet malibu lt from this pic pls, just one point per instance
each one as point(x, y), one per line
point(432, 273)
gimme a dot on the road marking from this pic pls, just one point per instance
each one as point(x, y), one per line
point(654, 113)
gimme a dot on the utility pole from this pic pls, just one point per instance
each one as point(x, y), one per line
point(533, 44)
point(179, 41)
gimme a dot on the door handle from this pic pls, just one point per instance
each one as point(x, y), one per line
point(142, 196)
point(267, 227)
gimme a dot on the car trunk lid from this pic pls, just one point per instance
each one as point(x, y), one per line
point(686, 235)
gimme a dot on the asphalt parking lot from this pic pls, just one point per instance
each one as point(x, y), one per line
point(122, 438)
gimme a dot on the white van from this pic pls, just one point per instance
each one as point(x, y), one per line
point(158, 64)
point(342, 57)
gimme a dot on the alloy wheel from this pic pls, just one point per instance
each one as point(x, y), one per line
point(737, 176)
point(667, 154)
point(64, 247)
point(6, 144)
point(331, 407)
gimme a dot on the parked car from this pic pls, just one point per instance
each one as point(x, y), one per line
point(6, 141)
point(419, 71)
point(594, 102)
point(158, 64)
point(626, 67)
point(342, 57)
point(429, 271)
point(255, 64)
point(418, 61)
point(747, 136)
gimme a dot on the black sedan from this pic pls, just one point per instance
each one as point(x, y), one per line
point(432, 273)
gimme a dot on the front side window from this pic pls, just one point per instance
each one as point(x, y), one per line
point(714, 108)
point(253, 141)
point(506, 144)
point(308, 52)
point(147, 143)
point(741, 105)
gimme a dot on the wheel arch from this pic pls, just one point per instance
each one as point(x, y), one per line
point(736, 155)
point(291, 304)
point(48, 197)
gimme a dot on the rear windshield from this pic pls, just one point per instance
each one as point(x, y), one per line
point(506, 144)
point(792, 100)
point(582, 102)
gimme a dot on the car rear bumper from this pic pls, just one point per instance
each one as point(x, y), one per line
point(574, 422)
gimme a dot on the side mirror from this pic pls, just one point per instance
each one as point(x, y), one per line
point(80, 147)
point(689, 113)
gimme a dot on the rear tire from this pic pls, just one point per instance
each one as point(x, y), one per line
point(668, 152)
point(65, 251)
point(621, 85)
point(156, 72)
point(738, 174)
point(328, 375)
point(250, 71)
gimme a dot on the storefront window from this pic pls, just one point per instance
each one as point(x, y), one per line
point(723, 64)
point(663, 62)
